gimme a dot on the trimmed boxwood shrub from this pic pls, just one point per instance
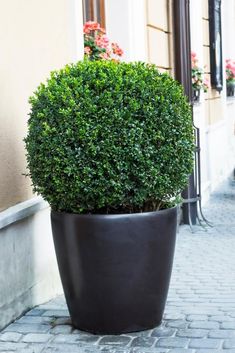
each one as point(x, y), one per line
point(108, 137)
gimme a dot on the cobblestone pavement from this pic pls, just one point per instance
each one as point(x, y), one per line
point(199, 315)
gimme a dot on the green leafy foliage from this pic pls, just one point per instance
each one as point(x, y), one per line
point(108, 137)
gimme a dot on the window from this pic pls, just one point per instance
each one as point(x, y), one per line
point(94, 10)
point(215, 44)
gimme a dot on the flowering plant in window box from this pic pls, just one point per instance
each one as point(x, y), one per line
point(230, 77)
point(199, 81)
point(97, 45)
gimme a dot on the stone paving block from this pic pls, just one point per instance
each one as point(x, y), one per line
point(12, 346)
point(229, 325)
point(37, 338)
point(210, 351)
point(193, 299)
point(177, 324)
point(79, 338)
point(27, 328)
point(207, 325)
point(185, 291)
point(220, 318)
point(34, 320)
point(172, 342)
point(201, 311)
point(70, 348)
point(35, 312)
point(222, 334)
point(181, 350)
point(63, 321)
point(229, 343)
point(223, 300)
point(63, 329)
point(151, 350)
point(115, 350)
point(143, 342)
point(205, 343)
point(10, 337)
point(111, 349)
point(145, 333)
point(34, 348)
point(194, 333)
point(115, 340)
point(174, 316)
point(163, 332)
point(56, 313)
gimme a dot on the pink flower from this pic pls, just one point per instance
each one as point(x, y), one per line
point(92, 26)
point(194, 59)
point(96, 43)
point(116, 49)
point(102, 41)
point(104, 56)
point(230, 70)
point(87, 50)
point(206, 82)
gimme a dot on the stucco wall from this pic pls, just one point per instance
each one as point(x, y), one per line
point(35, 38)
point(28, 269)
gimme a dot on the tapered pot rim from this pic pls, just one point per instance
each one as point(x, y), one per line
point(116, 215)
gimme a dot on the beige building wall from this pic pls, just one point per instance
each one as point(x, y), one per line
point(159, 34)
point(35, 38)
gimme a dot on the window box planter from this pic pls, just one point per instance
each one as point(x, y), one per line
point(230, 89)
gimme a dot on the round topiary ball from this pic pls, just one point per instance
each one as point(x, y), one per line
point(108, 137)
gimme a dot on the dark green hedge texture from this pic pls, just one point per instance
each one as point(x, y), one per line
point(108, 137)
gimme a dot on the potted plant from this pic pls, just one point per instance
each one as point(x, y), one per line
point(199, 82)
point(110, 147)
point(230, 77)
point(97, 45)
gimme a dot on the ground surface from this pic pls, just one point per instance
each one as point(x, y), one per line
point(199, 315)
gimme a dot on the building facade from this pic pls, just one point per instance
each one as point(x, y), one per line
point(40, 36)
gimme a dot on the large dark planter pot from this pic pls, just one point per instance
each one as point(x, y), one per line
point(115, 269)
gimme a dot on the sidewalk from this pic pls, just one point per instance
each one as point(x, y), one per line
point(199, 315)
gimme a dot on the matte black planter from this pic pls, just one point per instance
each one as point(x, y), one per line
point(115, 269)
